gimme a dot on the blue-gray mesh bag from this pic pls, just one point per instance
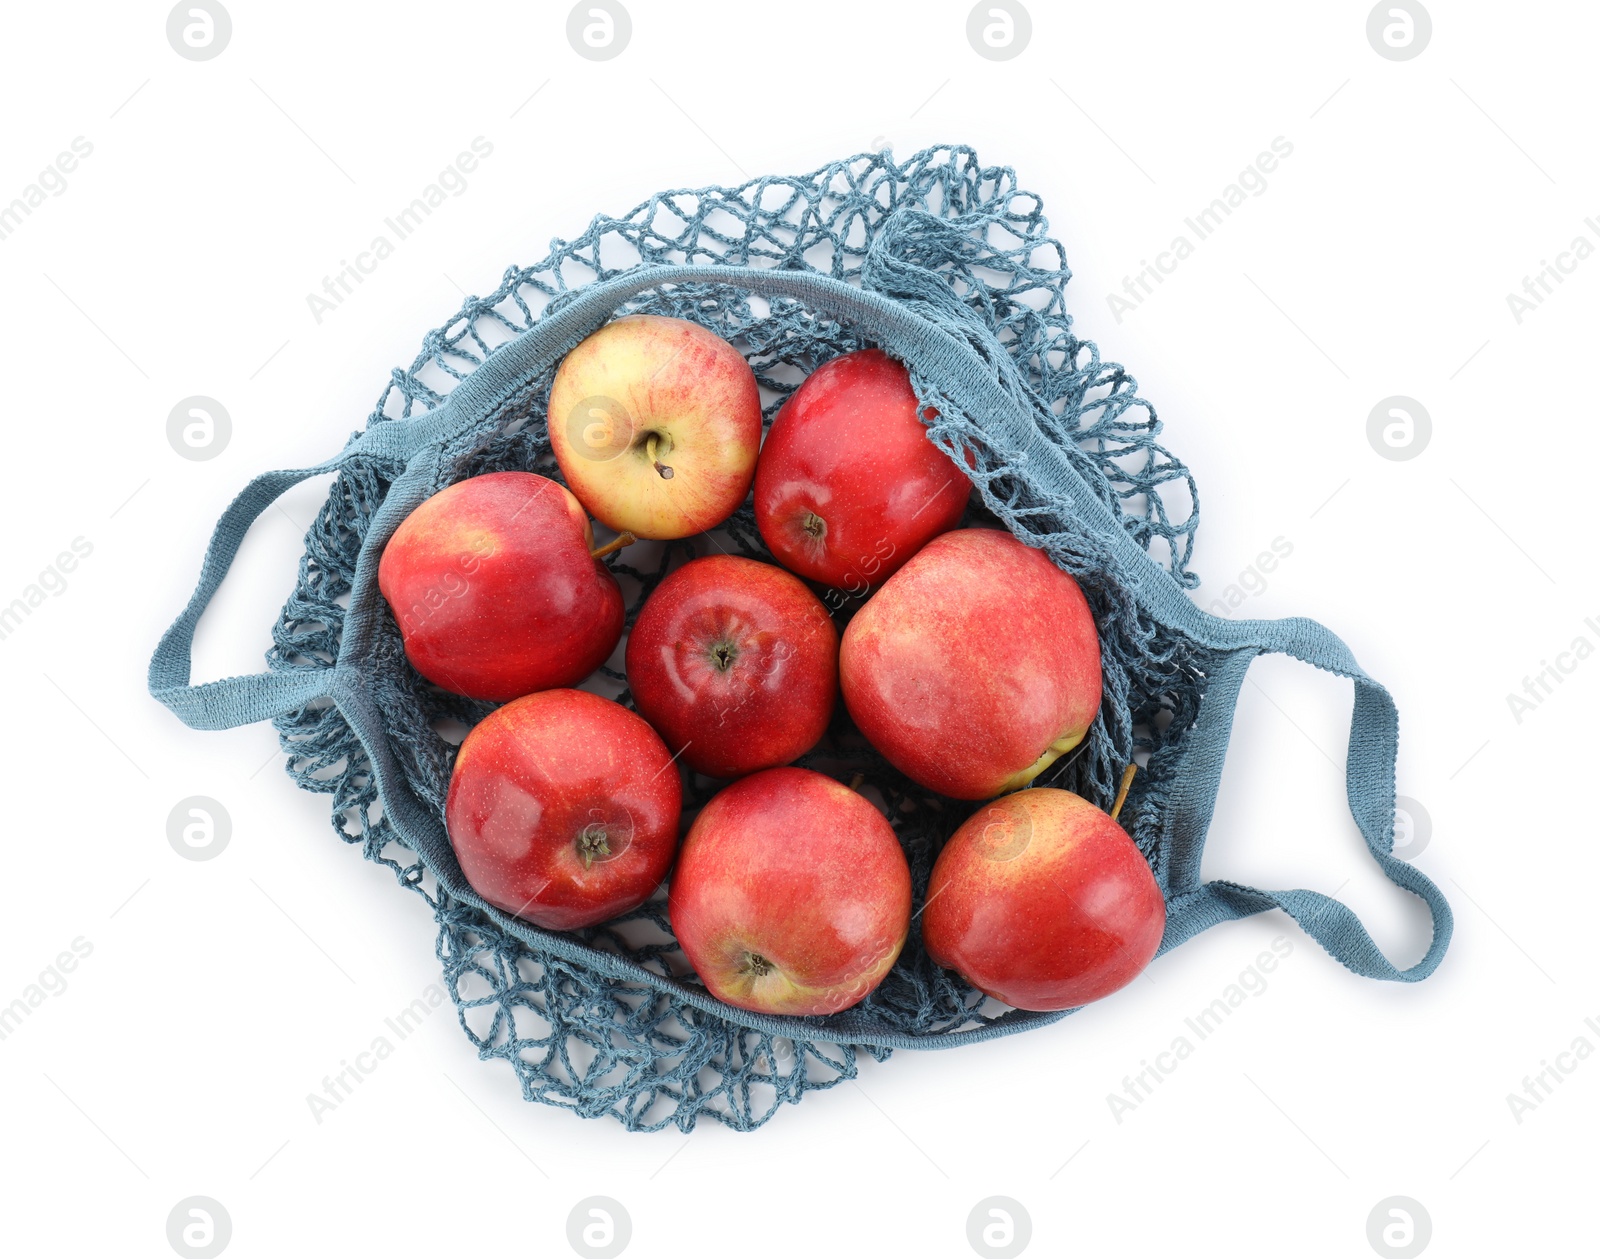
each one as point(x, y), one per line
point(947, 265)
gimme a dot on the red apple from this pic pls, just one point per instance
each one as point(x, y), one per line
point(792, 895)
point(656, 424)
point(736, 663)
point(975, 667)
point(563, 809)
point(1042, 901)
point(495, 591)
point(849, 487)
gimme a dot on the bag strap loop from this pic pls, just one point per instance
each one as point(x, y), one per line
point(1369, 787)
point(234, 701)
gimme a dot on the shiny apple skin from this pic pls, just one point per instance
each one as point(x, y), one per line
point(975, 667)
point(849, 487)
point(736, 663)
point(804, 874)
point(649, 374)
point(535, 782)
point(1042, 901)
point(494, 589)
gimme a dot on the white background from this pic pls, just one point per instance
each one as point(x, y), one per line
point(177, 262)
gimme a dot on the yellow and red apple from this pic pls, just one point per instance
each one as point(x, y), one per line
point(656, 423)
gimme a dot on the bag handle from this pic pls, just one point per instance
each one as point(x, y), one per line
point(1369, 787)
point(235, 701)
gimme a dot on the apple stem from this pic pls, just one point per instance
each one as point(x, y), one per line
point(650, 451)
point(623, 539)
point(1122, 790)
point(856, 781)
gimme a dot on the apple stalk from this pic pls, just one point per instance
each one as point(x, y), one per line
point(1122, 790)
point(616, 544)
point(651, 445)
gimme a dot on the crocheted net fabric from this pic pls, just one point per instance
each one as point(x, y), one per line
point(939, 232)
